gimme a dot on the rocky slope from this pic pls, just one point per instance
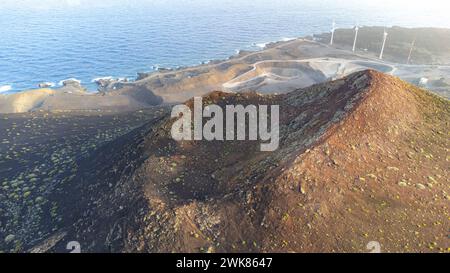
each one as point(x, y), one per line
point(431, 46)
point(361, 159)
point(75, 98)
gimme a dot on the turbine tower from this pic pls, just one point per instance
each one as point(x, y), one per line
point(356, 37)
point(411, 50)
point(333, 28)
point(385, 34)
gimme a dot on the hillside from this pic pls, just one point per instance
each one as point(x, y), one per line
point(431, 45)
point(363, 158)
point(77, 99)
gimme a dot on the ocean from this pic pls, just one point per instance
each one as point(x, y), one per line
point(118, 39)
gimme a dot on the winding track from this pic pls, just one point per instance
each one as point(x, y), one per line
point(365, 62)
point(341, 63)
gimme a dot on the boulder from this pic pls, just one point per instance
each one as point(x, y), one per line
point(109, 84)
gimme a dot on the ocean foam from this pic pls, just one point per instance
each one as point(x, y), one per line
point(5, 88)
point(264, 45)
point(102, 78)
point(261, 45)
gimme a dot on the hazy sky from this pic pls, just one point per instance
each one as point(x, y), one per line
point(416, 4)
point(437, 9)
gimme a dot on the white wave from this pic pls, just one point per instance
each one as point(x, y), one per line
point(5, 88)
point(264, 45)
point(102, 78)
point(261, 45)
point(123, 79)
point(61, 83)
point(205, 62)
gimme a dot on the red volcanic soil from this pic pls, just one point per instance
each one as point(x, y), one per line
point(361, 159)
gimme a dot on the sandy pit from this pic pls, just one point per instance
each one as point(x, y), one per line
point(286, 75)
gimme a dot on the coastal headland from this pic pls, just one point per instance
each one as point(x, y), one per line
point(279, 67)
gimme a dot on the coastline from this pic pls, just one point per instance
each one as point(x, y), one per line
point(8, 89)
point(280, 67)
point(342, 39)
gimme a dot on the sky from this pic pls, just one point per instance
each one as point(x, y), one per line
point(436, 8)
point(416, 4)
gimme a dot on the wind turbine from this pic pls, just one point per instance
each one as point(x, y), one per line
point(411, 50)
point(356, 37)
point(385, 34)
point(333, 28)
